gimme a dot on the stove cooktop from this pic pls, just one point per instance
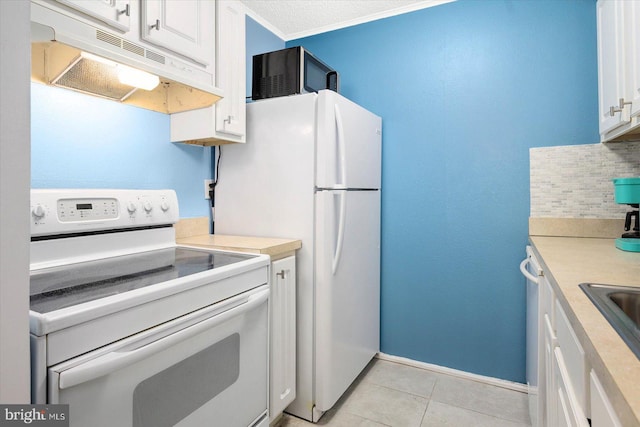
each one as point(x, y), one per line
point(68, 285)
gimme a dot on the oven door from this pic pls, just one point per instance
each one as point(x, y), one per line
point(205, 368)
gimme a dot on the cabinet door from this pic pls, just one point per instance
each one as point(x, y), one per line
point(115, 13)
point(611, 73)
point(574, 356)
point(185, 27)
point(282, 388)
point(226, 120)
point(548, 397)
point(632, 14)
point(569, 412)
point(230, 68)
point(602, 413)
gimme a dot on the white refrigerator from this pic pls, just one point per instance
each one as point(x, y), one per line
point(310, 170)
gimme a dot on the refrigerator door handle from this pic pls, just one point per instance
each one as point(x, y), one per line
point(341, 155)
point(340, 238)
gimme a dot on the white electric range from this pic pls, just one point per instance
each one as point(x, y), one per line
point(129, 328)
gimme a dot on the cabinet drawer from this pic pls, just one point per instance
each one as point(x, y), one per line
point(547, 301)
point(576, 366)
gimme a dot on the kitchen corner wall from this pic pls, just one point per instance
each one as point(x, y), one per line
point(575, 181)
point(464, 90)
point(80, 141)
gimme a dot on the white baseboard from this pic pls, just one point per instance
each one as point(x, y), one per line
point(522, 388)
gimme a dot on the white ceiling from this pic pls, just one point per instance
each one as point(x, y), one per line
point(291, 19)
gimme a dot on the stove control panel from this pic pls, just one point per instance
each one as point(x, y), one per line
point(87, 209)
point(69, 211)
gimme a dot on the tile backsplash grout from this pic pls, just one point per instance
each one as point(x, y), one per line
point(575, 181)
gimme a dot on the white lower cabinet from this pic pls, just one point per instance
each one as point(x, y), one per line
point(568, 409)
point(574, 356)
point(546, 345)
point(602, 413)
point(562, 364)
point(548, 399)
point(282, 357)
point(571, 394)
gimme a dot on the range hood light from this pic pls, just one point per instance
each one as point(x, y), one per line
point(96, 58)
point(127, 75)
point(137, 78)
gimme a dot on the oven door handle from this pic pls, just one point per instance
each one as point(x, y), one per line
point(116, 360)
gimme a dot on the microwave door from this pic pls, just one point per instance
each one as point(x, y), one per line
point(317, 75)
point(333, 81)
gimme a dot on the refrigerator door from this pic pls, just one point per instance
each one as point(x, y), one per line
point(349, 144)
point(347, 291)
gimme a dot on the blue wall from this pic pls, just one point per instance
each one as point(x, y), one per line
point(80, 141)
point(464, 90)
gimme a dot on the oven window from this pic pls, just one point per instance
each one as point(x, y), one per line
point(59, 287)
point(171, 395)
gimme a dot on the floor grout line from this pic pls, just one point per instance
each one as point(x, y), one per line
point(406, 388)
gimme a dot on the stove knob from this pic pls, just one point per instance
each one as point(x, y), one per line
point(131, 207)
point(147, 207)
point(38, 212)
point(164, 206)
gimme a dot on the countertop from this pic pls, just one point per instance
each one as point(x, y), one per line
point(274, 247)
point(571, 261)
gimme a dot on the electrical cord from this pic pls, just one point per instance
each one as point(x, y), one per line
point(212, 187)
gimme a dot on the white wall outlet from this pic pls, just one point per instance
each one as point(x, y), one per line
point(207, 188)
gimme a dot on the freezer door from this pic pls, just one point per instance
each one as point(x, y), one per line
point(265, 186)
point(347, 289)
point(349, 144)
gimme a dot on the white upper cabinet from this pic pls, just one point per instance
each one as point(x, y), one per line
point(224, 122)
point(611, 82)
point(618, 67)
point(186, 27)
point(115, 13)
point(633, 51)
point(230, 68)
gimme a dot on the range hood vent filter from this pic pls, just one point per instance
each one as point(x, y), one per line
point(96, 78)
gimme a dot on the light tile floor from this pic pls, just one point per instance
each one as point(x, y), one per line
point(397, 395)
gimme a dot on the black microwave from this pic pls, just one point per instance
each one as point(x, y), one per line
point(288, 72)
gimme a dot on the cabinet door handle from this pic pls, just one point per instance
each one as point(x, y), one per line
point(125, 11)
point(228, 119)
point(281, 274)
point(156, 25)
point(613, 110)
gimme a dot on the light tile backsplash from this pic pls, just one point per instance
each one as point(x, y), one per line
point(575, 181)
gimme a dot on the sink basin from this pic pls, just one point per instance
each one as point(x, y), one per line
point(620, 305)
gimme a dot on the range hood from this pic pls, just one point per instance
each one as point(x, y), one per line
point(75, 55)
